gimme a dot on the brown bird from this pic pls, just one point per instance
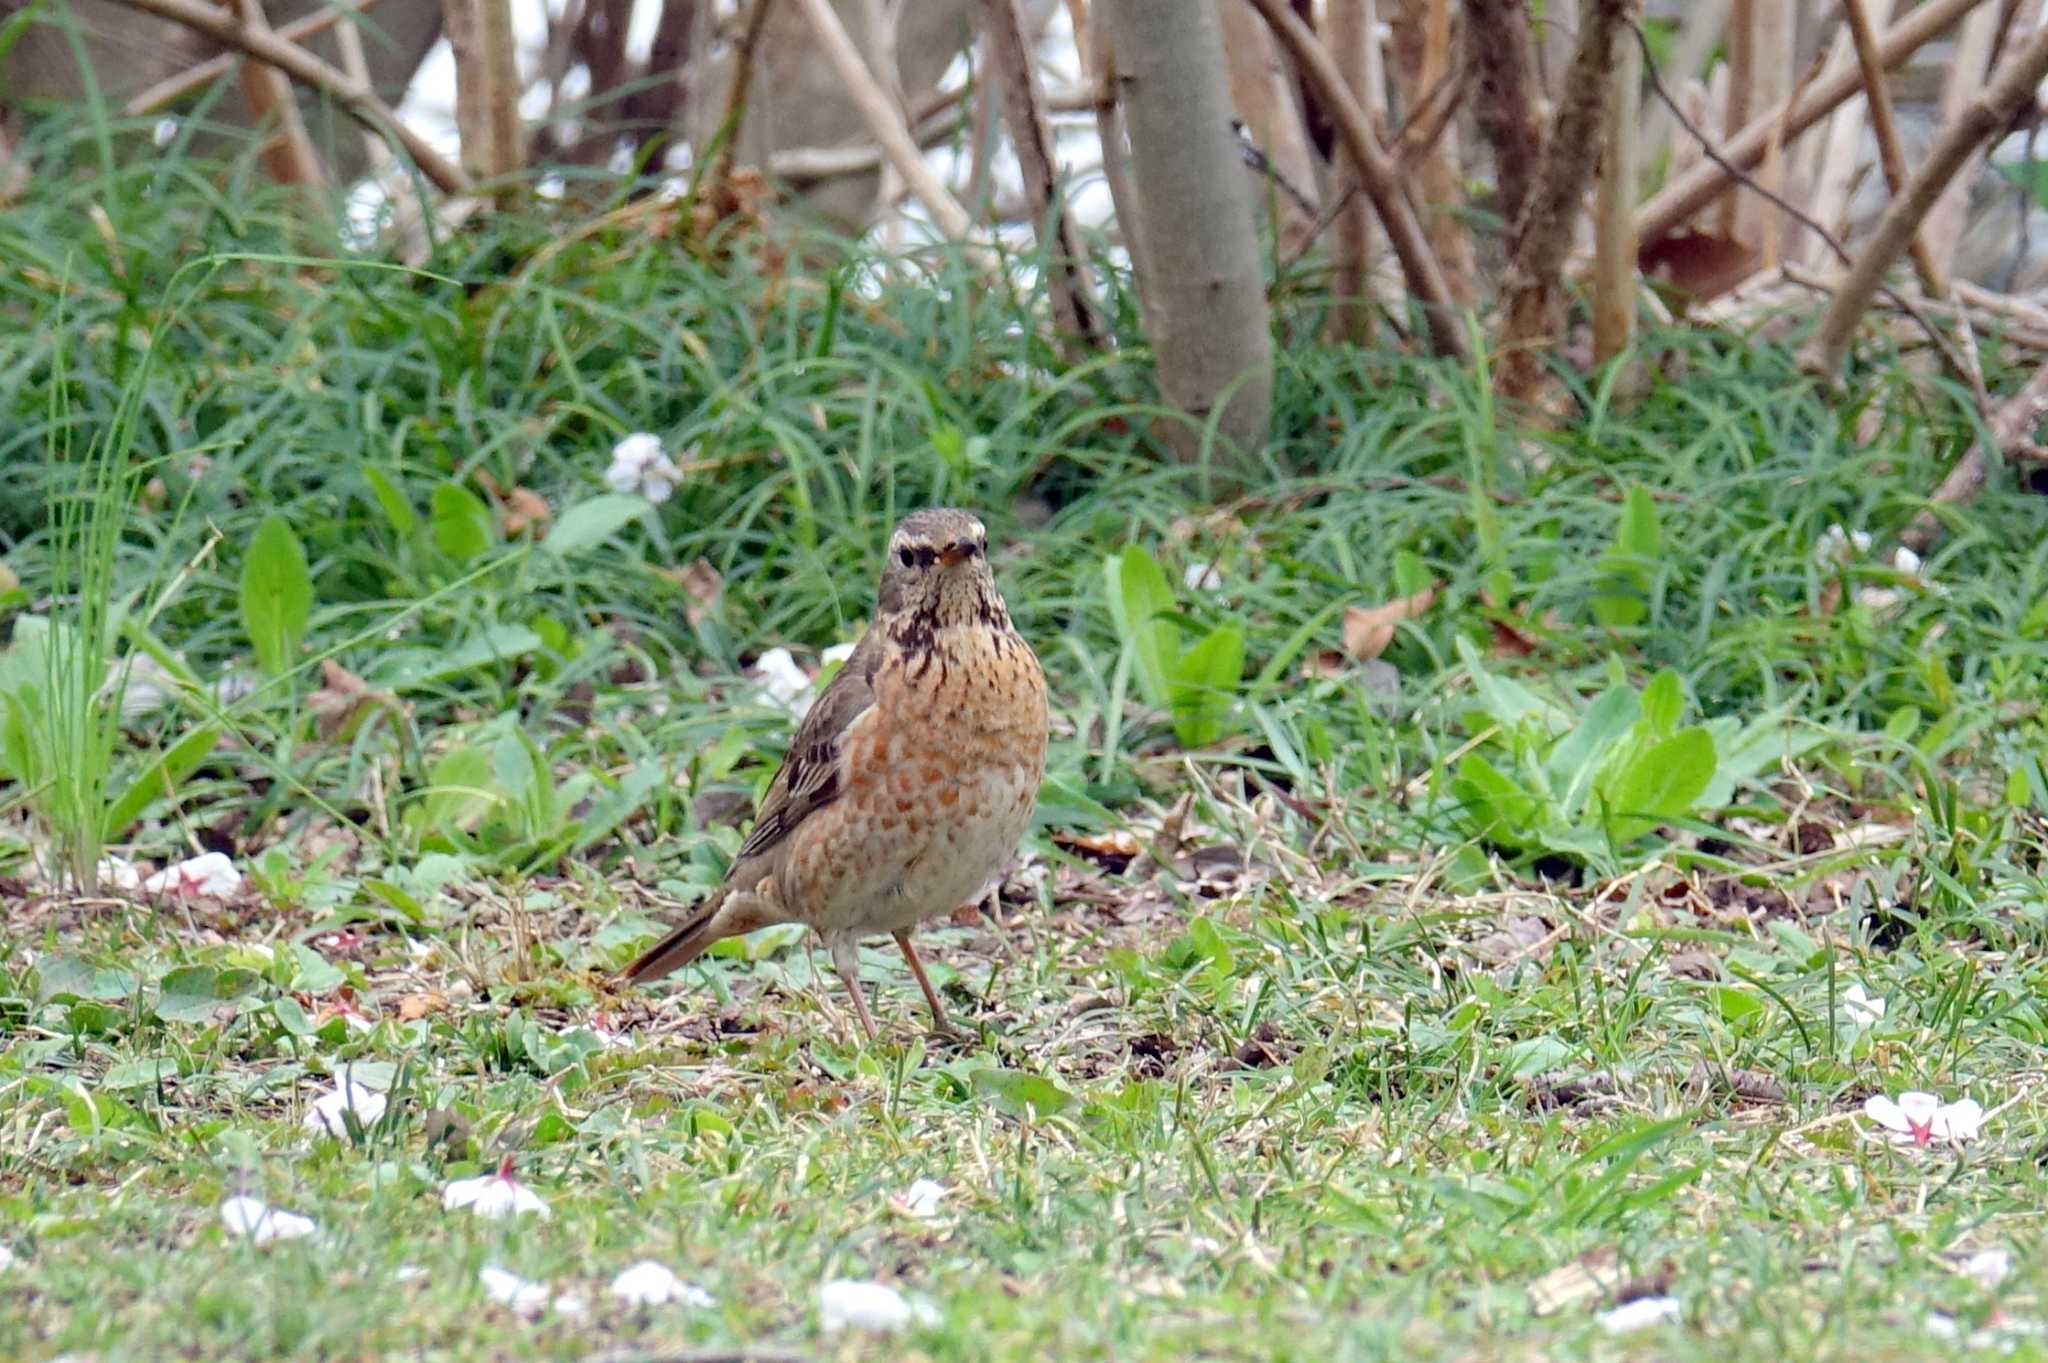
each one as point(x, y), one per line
point(910, 780)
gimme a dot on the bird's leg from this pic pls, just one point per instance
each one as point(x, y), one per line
point(940, 1023)
point(846, 960)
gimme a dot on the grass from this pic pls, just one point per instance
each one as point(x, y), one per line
point(1272, 1058)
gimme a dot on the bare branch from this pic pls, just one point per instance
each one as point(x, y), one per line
point(1503, 55)
point(883, 120)
point(719, 195)
point(358, 99)
point(289, 154)
point(1886, 129)
point(1033, 142)
point(1534, 293)
point(2012, 435)
point(1614, 214)
point(1376, 175)
point(174, 88)
point(1988, 113)
point(1700, 186)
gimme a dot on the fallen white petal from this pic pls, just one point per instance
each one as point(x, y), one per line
point(920, 1199)
point(251, 1217)
point(640, 464)
point(1989, 1267)
point(847, 1305)
point(838, 653)
point(210, 875)
point(523, 1295)
point(1640, 1314)
point(785, 682)
point(493, 1195)
point(1863, 1008)
point(347, 1096)
point(407, 1273)
point(1959, 1122)
point(1202, 577)
point(120, 873)
point(6, 1258)
point(648, 1283)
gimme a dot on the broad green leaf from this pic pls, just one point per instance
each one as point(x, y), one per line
point(1204, 686)
point(459, 792)
point(1661, 783)
point(408, 668)
point(159, 780)
point(68, 976)
point(1626, 567)
point(1534, 1055)
point(397, 511)
point(1663, 703)
point(462, 523)
point(593, 521)
point(277, 594)
point(1576, 760)
point(1142, 606)
point(191, 993)
point(135, 1074)
point(1022, 1094)
point(1494, 807)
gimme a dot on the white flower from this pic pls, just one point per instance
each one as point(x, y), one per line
point(262, 1224)
point(494, 1195)
point(639, 464)
point(847, 1305)
point(785, 682)
point(1201, 577)
point(919, 1201)
point(6, 1258)
point(1863, 1008)
point(648, 1283)
point(1922, 1119)
point(838, 653)
point(1639, 1314)
point(406, 1273)
point(348, 1096)
point(209, 875)
point(119, 873)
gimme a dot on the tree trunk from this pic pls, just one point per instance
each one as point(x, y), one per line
point(1206, 300)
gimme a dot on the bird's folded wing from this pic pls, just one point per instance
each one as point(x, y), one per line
point(814, 771)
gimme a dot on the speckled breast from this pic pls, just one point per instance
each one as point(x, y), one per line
point(942, 773)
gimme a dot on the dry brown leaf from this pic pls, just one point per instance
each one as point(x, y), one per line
point(1369, 629)
point(522, 510)
point(704, 586)
point(1587, 1279)
point(1697, 266)
point(413, 1007)
point(343, 701)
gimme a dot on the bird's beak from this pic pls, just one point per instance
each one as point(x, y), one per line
point(955, 553)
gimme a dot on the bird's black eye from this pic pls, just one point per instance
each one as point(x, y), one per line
point(905, 557)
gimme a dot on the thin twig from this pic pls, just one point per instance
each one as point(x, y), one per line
point(173, 88)
point(1992, 109)
point(1688, 193)
point(1072, 308)
point(718, 184)
point(1956, 362)
point(2012, 427)
point(883, 120)
point(359, 100)
point(1886, 129)
point(1377, 175)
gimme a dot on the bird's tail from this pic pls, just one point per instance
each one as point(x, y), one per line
point(681, 946)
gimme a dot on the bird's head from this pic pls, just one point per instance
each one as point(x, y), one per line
point(937, 572)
